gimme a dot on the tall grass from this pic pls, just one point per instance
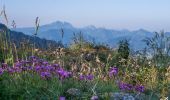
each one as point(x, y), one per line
point(83, 58)
point(6, 45)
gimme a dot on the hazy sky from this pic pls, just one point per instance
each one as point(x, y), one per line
point(153, 15)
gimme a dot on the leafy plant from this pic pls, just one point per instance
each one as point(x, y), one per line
point(124, 49)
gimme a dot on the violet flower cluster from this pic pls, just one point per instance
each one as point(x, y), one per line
point(125, 86)
point(35, 65)
point(130, 87)
point(1, 71)
point(63, 74)
point(47, 71)
point(86, 77)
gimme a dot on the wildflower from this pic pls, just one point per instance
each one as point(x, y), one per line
point(113, 71)
point(60, 71)
point(63, 74)
point(27, 61)
point(4, 65)
point(17, 69)
point(32, 57)
point(125, 86)
point(37, 68)
point(82, 77)
point(62, 98)
point(128, 86)
point(140, 88)
point(86, 77)
point(56, 66)
point(51, 68)
point(45, 75)
point(45, 62)
point(17, 64)
point(66, 74)
point(43, 68)
point(10, 70)
point(94, 98)
point(122, 85)
point(24, 68)
point(89, 77)
point(30, 68)
point(1, 71)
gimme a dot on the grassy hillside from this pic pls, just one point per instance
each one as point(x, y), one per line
point(82, 71)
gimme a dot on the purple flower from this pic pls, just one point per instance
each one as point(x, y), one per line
point(56, 65)
point(17, 64)
point(4, 65)
point(82, 77)
point(62, 98)
point(1, 71)
point(45, 75)
point(27, 61)
point(37, 68)
point(52, 68)
point(86, 77)
point(33, 58)
point(49, 68)
point(129, 87)
point(139, 88)
point(113, 71)
point(24, 68)
point(89, 77)
point(30, 68)
point(45, 62)
point(60, 71)
point(94, 98)
point(122, 85)
point(10, 70)
point(66, 74)
point(63, 74)
point(125, 86)
point(17, 69)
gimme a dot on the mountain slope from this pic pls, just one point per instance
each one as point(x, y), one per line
point(18, 37)
point(100, 35)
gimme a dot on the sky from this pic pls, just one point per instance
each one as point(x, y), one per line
point(152, 15)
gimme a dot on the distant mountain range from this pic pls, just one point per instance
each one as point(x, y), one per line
point(19, 37)
point(100, 35)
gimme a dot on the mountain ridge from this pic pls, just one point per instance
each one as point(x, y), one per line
point(18, 37)
point(111, 37)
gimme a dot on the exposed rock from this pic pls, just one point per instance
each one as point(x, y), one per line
point(140, 96)
point(126, 96)
point(74, 92)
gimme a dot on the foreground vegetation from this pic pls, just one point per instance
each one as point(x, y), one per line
point(84, 70)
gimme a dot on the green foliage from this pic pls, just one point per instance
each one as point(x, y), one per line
point(84, 57)
point(1, 55)
point(159, 47)
point(23, 86)
point(123, 49)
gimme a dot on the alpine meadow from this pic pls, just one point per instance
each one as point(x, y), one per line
point(84, 50)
